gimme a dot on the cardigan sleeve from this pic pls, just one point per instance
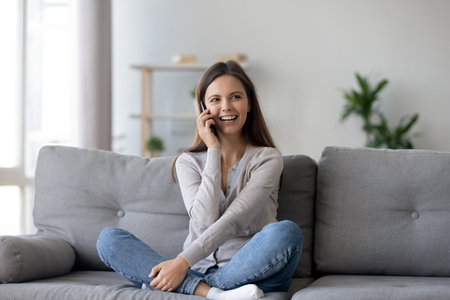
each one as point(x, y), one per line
point(201, 192)
point(265, 170)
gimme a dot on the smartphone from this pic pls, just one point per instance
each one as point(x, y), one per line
point(213, 129)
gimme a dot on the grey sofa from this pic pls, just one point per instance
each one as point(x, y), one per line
point(375, 224)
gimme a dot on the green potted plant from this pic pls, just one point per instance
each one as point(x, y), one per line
point(393, 139)
point(154, 146)
point(363, 104)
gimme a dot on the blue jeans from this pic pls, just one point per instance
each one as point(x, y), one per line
point(268, 260)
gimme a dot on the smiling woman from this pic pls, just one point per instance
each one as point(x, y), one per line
point(255, 129)
point(229, 182)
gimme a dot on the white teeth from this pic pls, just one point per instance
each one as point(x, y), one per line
point(228, 118)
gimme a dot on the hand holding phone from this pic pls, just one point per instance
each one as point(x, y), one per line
point(213, 129)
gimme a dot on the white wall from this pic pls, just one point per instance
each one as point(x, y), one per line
point(302, 54)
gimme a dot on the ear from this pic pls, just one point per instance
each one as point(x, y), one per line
point(249, 108)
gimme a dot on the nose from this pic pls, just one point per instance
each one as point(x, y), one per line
point(226, 105)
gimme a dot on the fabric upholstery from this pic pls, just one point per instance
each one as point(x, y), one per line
point(377, 212)
point(351, 287)
point(87, 285)
point(297, 284)
point(24, 258)
point(296, 203)
point(79, 192)
point(383, 212)
point(84, 285)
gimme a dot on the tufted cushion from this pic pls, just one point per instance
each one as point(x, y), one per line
point(383, 212)
point(79, 192)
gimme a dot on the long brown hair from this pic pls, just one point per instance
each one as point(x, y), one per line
point(254, 130)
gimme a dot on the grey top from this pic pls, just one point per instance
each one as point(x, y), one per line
point(221, 224)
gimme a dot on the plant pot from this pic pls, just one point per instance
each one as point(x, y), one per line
point(153, 153)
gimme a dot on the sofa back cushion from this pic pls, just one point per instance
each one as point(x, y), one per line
point(79, 192)
point(384, 212)
point(296, 203)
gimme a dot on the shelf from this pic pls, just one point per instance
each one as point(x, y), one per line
point(180, 67)
point(188, 117)
point(174, 67)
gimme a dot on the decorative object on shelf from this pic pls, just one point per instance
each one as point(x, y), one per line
point(377, 135)
point(184, 59)
point(154, 146)
point(233, 56)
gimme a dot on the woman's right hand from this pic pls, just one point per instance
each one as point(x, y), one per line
point(168, 275)
point(204, 122)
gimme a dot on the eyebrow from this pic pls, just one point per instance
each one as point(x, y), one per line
point(236, 92)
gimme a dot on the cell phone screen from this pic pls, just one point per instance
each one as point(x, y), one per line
point(203, 106)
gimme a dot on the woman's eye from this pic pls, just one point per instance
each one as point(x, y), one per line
point(215, 99)
point(236, 97)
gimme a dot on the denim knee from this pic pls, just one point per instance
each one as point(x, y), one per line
point(287, 232)
point(106, 240)
point(110, 232)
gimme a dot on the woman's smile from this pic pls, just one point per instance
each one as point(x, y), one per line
point(228, 119)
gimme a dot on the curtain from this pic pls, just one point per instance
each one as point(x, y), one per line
point(94, 74)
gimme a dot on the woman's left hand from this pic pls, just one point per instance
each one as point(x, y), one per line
point(169, 274)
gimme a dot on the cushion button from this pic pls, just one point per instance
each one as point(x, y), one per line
point(415, 215)
point(121, 213)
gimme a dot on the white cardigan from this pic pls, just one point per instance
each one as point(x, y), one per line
point(221, 224)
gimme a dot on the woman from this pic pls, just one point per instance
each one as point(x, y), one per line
point(229, 181)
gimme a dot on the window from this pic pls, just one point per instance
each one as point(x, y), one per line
point(50, 72)
point(36, 103)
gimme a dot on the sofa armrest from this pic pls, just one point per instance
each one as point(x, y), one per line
point(25, 258)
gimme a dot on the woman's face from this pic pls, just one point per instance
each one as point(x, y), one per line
point(228, 104)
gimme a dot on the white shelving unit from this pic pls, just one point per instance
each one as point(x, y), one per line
point(147, 116)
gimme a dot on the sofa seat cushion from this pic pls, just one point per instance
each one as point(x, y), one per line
point(358, 287)
point(88, 285)
point(298, 284)
point(82, 285)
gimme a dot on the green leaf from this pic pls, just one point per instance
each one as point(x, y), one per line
point(380, 86)
point(348, 109)
point(411, 122)
point(363, 83)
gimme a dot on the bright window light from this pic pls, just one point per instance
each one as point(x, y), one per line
point(9, 78)
point(50, 71)
point(10, 212)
